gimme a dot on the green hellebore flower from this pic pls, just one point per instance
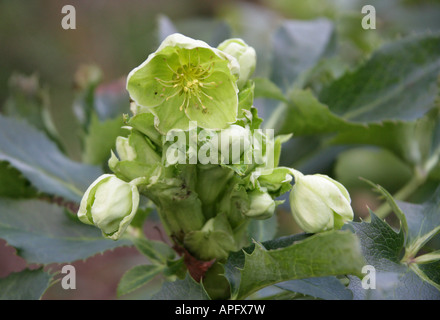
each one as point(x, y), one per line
point(262, 206)
point(319, 203)
point(246, 56)
point(186, 80)
point(110, 204)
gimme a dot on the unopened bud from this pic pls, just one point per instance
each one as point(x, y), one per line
point(245, 55)
point(262, 206)
point(110, 204)
point(319, 203)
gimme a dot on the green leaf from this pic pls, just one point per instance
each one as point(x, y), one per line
point(156, 251)
point(100, 139)
point(294, 52)
point(13, 184)
point(305, 115)
point(40, 161)
point(339, 253)
point(46, 233)
point(186, 289)
point(327, 288)
point(398, 82)
point(383, 249)
point(25, 285)
point(136, 277)
point(264, 88)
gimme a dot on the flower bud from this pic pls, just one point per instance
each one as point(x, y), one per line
point(110, 204)
point(136, 147)
point(245, 56)
point(262, 206)
point(319, 203)
point(232, 142)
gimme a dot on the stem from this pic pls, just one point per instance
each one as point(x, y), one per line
point(408, 189)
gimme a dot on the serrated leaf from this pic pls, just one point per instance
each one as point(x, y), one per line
point(40, 161)
point(383, 249)
point(324, 254)
point(138, 276)
point(186, 289)
point(45, 233)
point(398, 82)
point(327, 288)
point(25, 285)
point(381, 245)
point(236, 260)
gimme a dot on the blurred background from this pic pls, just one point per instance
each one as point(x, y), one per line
point(116, 36)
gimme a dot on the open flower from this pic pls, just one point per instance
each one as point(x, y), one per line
point(187, 80)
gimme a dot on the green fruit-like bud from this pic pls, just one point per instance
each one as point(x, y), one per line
point(137, 147)
point(262, 206)
point(245, 55)
point(110, 204)
point(214, 241)
point(319, 203)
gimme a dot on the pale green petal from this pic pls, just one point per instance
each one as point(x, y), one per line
point(142, 82)
point(84, 214)
point(220, 103)
point(330, 194)
point(309, 211)
point(168, 115)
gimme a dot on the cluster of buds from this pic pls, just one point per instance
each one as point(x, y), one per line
point(195, 149)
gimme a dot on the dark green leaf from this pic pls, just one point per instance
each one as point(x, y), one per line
point(187, 289)
point(298, 45)
point(136, 277)
point(339, 253)
point(156, 251)
point(383, 249)
point(40, 161)
point(46, 233)
point(25, 285)
point(397, 83)
point(328, 288)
